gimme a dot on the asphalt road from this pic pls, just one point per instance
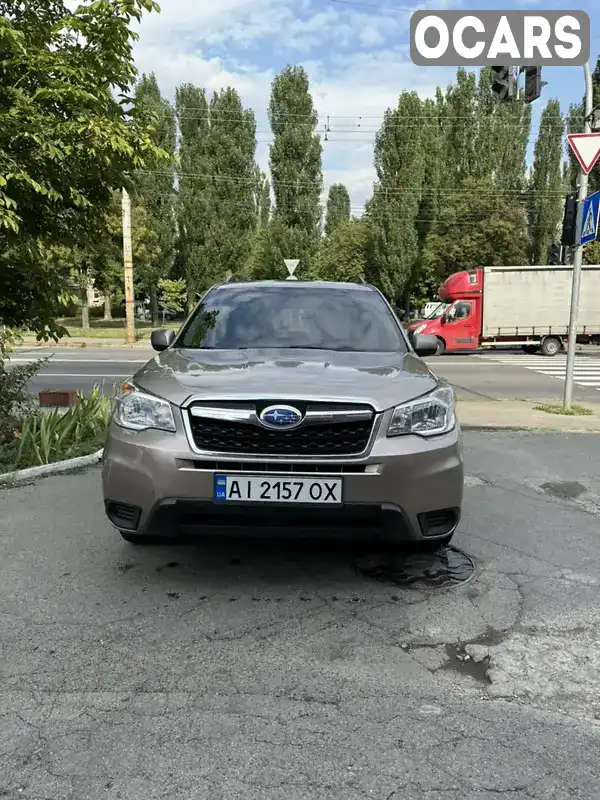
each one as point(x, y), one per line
point(489, 376)
point(233, 669)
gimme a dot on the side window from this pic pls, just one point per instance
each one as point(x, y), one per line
point(462, 311)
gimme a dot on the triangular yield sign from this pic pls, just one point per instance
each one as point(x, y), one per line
point(586, 147)
point(291, 264)
point(589, 229)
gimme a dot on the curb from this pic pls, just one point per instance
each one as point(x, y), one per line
point(92, 344)
point(490, 427)
point(21, 475)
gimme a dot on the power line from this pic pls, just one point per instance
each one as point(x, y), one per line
point(250, 179)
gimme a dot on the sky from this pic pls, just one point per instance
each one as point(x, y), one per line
point(356, 55)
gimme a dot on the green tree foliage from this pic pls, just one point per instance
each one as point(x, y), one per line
point(344, 253)
point(296, 173)
point(154, 186)
point(545, 188)
point(434, 178)
point(173, 293)
point(194, 199)
point(394, 208)
point(338, 207)
point(478, 226)
point(460, 125)
point(65, 140)
point(232, 214)
point(475, 145)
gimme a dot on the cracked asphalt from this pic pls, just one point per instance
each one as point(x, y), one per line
point(239, 669)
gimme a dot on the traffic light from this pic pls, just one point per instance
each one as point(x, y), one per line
point(569, 230)
point(533, 84)
point(502, 82)
point(555, 254)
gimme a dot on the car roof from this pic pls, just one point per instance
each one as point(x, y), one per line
point(236, 284)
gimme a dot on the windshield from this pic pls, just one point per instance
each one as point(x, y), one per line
point(437, 312)
point(319, 317)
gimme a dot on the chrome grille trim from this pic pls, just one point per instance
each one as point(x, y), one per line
point(249, 415)
point(244, 411)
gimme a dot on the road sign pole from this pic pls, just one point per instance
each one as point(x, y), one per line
point(578, 254)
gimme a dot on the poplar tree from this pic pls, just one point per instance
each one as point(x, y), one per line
point(338, 207)
point(296, 172)
point(545, 188)
point(233, 216)
point(194, 206)
point(154, 186)
point(394, 209)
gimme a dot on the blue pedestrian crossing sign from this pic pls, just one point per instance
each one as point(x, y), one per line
point(589, 218)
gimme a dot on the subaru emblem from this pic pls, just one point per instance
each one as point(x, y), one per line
point(280, 417)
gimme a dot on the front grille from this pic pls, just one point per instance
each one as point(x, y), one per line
point(342, 438)
point(306, 467)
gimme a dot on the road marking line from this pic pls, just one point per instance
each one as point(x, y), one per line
point(78, 361)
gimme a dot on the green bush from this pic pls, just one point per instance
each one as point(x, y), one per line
point(55, 436)
point(15, 401)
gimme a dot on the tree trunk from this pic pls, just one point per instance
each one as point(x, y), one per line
point(191, 295)
point(153, 305)
point(85, 308)
point(107, 307)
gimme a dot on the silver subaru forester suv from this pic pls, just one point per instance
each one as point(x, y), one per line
point(285, 407)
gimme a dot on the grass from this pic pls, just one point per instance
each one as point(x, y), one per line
point(40, 438)
point(11, 461)
point(110, 329)
point(558, 408)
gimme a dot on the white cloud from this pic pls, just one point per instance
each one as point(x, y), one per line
point(357, 63)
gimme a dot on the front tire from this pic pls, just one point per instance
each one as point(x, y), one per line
point(441, 347)
point(551, 346)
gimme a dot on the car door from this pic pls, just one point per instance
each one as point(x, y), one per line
point(460, 328)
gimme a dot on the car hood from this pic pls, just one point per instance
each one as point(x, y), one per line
point(379, 379)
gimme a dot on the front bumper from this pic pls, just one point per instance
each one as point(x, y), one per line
point(408, 487)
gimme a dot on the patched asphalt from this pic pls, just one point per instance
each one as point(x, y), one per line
point(238, 669)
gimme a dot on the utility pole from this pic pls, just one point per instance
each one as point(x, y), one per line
point(578, 251)
point(128, 264)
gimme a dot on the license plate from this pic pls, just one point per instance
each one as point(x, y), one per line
point(277, 489)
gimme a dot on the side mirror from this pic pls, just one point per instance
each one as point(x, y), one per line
point(424, 345)
point(160, 340)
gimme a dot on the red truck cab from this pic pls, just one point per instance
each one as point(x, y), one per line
point(459, 327)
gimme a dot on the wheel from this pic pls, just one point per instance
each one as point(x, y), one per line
point(530, 349)
point(551, 346)
point(441, 346)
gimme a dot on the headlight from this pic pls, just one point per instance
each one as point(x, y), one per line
point(419, 329)
point(138, 411)
point(427, 416)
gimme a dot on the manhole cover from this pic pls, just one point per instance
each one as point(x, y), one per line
point(447, 566)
